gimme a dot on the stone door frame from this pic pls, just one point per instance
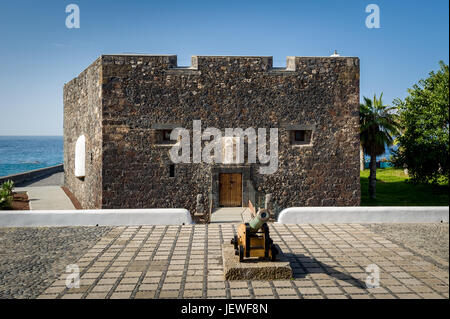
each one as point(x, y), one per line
point(228, 169)
point(230, 186)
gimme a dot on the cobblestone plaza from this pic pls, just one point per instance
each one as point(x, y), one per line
point(328, 261)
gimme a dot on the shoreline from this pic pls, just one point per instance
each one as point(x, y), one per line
point(33, 174)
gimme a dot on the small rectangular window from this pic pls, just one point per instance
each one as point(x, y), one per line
point(300, 137)
point(166, 135)
point(163, 137)
point(172, 170)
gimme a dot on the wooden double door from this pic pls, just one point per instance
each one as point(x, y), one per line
point(230, 190)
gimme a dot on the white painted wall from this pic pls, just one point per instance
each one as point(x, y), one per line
point(80, 157)
point(105, 217)
point(382, 214)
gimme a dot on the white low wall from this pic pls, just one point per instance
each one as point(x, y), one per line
point(382, 214)
point(104, 217)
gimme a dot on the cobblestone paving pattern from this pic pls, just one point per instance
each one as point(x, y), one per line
point(329, 261)
point(429, 240)
point(32, 258)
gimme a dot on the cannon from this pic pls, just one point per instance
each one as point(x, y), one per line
point(253, 240)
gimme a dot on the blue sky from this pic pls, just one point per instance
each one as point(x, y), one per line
point(38, 54)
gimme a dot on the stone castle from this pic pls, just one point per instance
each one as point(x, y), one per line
point(120, 111)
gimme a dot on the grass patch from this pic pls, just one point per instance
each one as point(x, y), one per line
point(394, 189)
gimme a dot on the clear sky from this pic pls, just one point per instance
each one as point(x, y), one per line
point(38, 54)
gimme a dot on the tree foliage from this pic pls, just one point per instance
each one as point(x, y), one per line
point(378, 126)
point(424, 114)
point(6, 195)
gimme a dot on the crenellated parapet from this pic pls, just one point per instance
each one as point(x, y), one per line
point(210, 63)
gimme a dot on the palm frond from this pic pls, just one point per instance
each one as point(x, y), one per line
point(379, 124)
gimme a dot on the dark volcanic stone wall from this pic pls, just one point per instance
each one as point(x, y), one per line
point(82, 115)
point(141, 91)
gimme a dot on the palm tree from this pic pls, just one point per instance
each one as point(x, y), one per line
point(362, 162)
point(378, 126)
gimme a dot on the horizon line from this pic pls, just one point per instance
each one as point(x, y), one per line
point(29, 135)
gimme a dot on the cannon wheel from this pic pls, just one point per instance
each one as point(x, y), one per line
point(235, 241)
point(274, 253)
point(241, 253)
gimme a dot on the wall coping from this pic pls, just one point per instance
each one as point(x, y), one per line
point(95, 217)
point(359, 215)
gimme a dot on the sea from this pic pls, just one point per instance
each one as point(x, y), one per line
point(19, 154)
point(388, 152)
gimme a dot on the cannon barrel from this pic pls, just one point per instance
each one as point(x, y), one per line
point(256, 222)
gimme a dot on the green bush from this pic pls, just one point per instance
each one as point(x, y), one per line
point(6, 195)
point(424, 144)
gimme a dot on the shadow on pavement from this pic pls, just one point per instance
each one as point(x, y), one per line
point(302, 265)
